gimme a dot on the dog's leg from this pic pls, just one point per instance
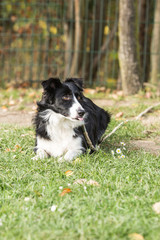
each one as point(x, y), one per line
point(40, 154)
point(70, 155)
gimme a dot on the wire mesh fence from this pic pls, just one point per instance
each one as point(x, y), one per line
point(39, 39)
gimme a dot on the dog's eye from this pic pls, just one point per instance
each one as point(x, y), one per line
point(66, 97)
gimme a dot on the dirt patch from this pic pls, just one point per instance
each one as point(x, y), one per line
point(18, 118)
point(151, 120)
point(152, 146)
point(24, 118)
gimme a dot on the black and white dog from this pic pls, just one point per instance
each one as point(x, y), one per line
point(61, 113)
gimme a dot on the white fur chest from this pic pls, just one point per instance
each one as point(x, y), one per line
point(62, 137)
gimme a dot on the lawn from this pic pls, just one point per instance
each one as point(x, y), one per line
point(44, 199)
point(107, 195)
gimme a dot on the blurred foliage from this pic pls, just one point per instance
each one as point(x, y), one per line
point(33, 41)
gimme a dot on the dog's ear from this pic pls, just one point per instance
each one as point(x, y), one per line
point(51, 84)
point(77, 81)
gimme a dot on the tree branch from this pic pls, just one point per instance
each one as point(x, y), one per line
point(146, 110)
point(115, 129)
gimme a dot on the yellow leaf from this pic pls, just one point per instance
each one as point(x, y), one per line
point(16, 27)
point(53, 30)
point(135, 236)
point(106, 30)
point(63, 37)
point(101, 73)
point(57, 47)
point(111, 80)
point(4, 107)
point(87, 49)
point(9, 7)
point(17, 43)
point(42, 24)
point(68, 173)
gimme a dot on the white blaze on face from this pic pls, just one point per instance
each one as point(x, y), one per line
point(75, 108)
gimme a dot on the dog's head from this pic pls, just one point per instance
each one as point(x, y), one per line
point(63, 98)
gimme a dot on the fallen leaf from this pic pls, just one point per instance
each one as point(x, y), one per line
point(114, 96)
point(90, 91)
point(84, 181)
point(80, 181)
point(135, 236)
point(92, 182)
point(156, 207)
point(100, 89)
point(148, 95)
point(120, 93)
point(12, 103)
point(65, 191)
point(68, 173)
point(4, 107)
point(7, 150)
point(32, 94)
point(119, 114)
point(13, 18)
point(18, 146)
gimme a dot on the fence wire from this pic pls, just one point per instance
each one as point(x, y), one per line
point(40, 39)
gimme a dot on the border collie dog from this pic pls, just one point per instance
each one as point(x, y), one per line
point(61, 113)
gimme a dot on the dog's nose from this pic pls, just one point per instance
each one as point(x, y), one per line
point(81, 112)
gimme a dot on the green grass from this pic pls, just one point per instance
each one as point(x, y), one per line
point(121, 205)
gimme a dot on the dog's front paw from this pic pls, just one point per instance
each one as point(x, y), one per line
point(40, 154)
point(70, 155)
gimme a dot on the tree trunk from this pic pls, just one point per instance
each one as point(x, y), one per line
point(155, 46)
point(68, 33)
point(77, 39)
point(142, 35)
point(128, 56)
